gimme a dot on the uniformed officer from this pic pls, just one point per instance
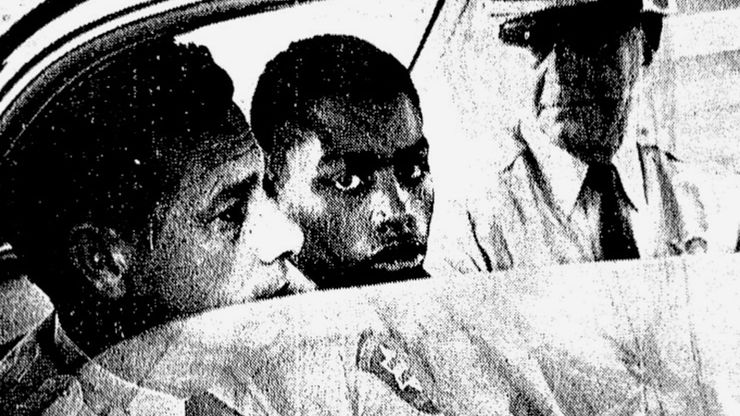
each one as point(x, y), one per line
point(583, 180)
point(135, 198)
point(341, 124)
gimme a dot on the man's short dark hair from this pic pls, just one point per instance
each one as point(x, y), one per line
point(99, 152)
point(327, 66)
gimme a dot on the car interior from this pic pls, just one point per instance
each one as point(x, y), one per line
point(471, 87)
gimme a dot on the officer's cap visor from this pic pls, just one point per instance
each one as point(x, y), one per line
point(586, 24)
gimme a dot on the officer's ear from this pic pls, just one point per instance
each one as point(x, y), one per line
point(101, 258)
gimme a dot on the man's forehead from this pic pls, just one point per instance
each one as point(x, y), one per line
point(223, 159)
point(368, 128)
point(216, 149)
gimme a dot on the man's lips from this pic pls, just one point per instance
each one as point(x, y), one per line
point(398, 257)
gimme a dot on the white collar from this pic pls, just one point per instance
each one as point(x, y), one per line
point(565, 173)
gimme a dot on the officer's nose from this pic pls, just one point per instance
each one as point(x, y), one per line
point(594, 69)
point(274, 235)
point(568, 65)
point(391, 206)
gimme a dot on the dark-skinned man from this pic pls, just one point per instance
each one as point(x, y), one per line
point(340, 123)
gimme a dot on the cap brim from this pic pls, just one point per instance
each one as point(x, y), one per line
point(526, 29)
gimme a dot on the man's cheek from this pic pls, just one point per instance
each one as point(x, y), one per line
point(353, 232)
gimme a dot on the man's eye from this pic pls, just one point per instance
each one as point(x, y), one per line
point(230, 220)
point(232, 214)
point(348, 182)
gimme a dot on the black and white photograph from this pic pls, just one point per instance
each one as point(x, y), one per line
point(369, 207)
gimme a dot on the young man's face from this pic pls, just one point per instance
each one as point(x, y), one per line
point(220, 241)
point(358, 183)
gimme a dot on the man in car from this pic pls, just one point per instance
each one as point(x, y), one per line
point(134, 199)
point(584, 180)
point(340, 123)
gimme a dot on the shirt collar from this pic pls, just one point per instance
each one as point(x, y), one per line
point(629, 166)
point(564, 173)
point(104, 390)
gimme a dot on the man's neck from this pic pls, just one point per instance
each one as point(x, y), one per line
point(95, 329)
point(564, 170)
point(92, 337)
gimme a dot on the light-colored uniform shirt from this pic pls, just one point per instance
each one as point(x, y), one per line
point(535, 210)
point(46, 354)
point(334, 353)
point(583, 339)
point(577, 204)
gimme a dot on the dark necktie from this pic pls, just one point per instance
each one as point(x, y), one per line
point(617, 240)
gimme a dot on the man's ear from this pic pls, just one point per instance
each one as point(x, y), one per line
point(101, 258)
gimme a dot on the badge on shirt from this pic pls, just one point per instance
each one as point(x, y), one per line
point(693, 245)
point(380, 357)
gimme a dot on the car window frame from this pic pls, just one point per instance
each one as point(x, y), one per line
point(39, 69)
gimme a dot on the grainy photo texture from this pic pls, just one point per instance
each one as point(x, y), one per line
point(353, 207)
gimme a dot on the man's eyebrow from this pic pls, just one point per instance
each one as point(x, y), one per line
point(238, 189)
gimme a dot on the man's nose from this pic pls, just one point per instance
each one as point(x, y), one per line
point(569, 65)
point(391, 206)
point(274, 234)
point(577, 66)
